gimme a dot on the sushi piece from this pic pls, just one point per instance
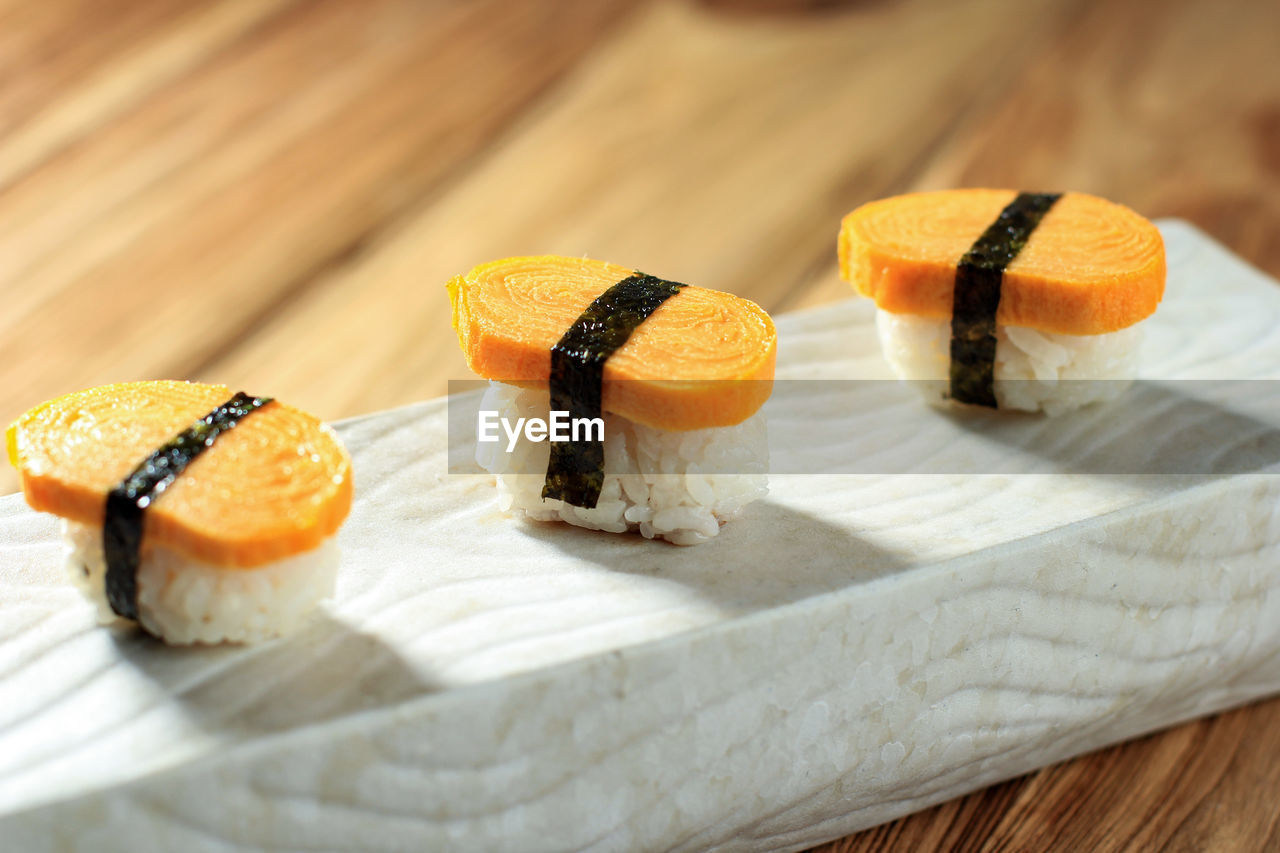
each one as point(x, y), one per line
point(1004, 299)
point(667, 380)
point(204, 516)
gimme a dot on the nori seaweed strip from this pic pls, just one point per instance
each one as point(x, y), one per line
point(977, 296)
point(126, 503)
point(575, 471)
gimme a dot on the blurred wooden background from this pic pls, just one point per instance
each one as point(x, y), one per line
point(272, 193)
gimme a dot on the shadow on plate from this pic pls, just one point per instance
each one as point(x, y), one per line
point(325, 671)
point(1177, 429)
point(771, 555)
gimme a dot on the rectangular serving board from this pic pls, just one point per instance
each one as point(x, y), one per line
point(856, 647)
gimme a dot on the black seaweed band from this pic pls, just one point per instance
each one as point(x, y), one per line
point(127, 502)
point(575, 470)
point(977, 296)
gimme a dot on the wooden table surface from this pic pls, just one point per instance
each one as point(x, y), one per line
point(272, 193)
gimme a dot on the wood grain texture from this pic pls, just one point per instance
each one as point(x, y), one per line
point(584, 176)
point(271, 193)
point(163, 238)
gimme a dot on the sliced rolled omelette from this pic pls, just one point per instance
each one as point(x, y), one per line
point(166, 484)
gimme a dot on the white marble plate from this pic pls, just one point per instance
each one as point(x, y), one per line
point(858, 646)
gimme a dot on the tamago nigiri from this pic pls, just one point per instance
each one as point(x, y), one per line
point(1005, 299)
point(675, 373)
point(203, 515)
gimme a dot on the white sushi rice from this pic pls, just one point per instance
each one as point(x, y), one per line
point(1034, 370)
point(678, 486)
point(186, 601)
